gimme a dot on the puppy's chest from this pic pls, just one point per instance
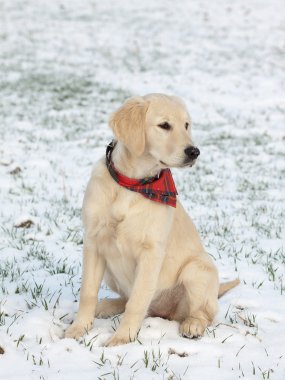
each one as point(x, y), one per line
point(117, 233)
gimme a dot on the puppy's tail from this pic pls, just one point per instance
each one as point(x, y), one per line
point(226, 286)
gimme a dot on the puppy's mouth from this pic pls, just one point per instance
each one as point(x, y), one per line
point(188, 163)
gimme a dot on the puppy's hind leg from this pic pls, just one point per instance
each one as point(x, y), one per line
point(109, 307)
point(200, 279)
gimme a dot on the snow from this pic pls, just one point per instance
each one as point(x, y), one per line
point(65, 66)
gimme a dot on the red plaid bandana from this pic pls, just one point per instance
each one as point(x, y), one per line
point(160, 188)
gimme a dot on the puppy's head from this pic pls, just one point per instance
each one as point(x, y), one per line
point(157, 125)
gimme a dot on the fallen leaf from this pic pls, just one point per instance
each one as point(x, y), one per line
point(24, 224)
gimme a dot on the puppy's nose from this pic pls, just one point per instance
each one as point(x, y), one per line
point(192, 152)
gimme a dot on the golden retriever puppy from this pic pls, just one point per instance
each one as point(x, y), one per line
point(143, 243)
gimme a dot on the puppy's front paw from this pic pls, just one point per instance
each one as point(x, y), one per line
point(193, 327)
point(116, 340)
point(77, 330)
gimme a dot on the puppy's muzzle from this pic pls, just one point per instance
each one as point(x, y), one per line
point(192, 153)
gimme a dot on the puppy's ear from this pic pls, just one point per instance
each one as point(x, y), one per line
point(128, 124)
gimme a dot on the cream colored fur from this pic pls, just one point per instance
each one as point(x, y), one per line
point(149, 253)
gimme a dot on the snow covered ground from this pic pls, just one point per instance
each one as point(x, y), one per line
point(64, 66)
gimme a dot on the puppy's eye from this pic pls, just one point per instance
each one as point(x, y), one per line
point(186, 126)
point(165, 126)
